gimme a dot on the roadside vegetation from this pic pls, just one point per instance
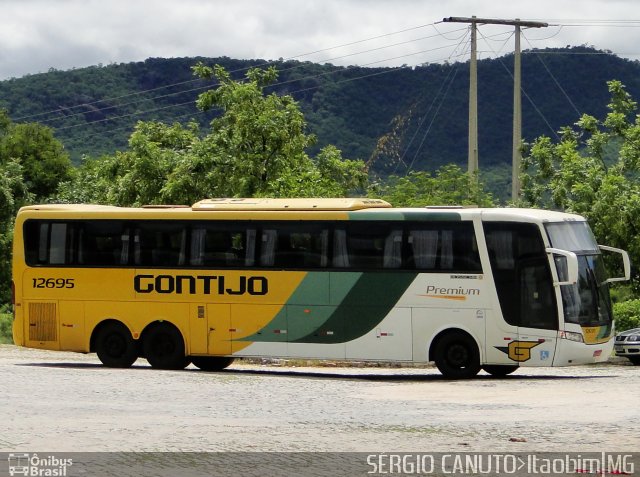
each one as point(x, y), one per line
point(5, 325)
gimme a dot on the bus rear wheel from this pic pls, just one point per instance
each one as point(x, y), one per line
point(457, 356)
point(163, 347)
point(211, 363)
point(499, 370)
point(115, 346)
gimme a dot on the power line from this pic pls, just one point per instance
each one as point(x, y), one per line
point(302, 90)
point(555, 80)
point(232, 72)
point(533, 104)
point(446, 81)
point(433, 25)
point(279, 84)
point(435, 115)
point(200, 88)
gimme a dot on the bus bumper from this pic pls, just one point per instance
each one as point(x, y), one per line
point(569, 353)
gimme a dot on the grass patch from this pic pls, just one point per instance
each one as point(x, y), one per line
point(6, 318)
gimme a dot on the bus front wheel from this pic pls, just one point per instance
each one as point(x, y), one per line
point(115, 347)
point(211, 363)
point(457, 356)
point(163, 347)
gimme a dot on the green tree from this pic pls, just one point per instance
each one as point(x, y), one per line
point(261, 136)
point(450, 185)
point(260, 143)
point(14, 194)
point(256, 147)
point(138, 175)
point(43, 158)
point(32, 163)
point(593, 170)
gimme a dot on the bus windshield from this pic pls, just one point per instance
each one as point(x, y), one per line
point(586, 303)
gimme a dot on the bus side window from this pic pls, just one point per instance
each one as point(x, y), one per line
point(393, 250)
point(160, 245)
point(268, 248)
point(34, 251)
point(340, 254)
point(300, 246)
point(424, 248)
point(103, 243)
point(215, 246)
point(57, 244)
point(48, 243)
point(367, 246)
point(443, 247)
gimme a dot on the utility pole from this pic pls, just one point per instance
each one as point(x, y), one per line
point(473, 94)
point(472, 159)
point(517, 121)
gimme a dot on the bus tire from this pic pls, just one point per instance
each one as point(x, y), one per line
point(115, 346)
point(499, 370)
point(163, 347)
point(211, 363)
point(457, 356)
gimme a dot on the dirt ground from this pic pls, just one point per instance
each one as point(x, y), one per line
point(66, 402)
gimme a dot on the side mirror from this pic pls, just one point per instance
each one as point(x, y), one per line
point(625, 261)
point(566, 266)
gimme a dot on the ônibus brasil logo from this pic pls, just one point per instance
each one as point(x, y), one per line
point(38, 466)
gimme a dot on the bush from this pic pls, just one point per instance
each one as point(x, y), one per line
point(6, 319)
point(627, 314)
point(621, 292)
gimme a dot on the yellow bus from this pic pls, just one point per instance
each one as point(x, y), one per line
point(343, 279)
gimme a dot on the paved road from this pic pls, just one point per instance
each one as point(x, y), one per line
point(67, 402)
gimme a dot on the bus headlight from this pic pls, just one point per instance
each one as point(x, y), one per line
point(572, 336)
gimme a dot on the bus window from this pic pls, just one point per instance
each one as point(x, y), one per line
point(57, 244)
point(443, 247)
point(367, 246)
point(103, 243)
point(215, 246)
point(48, 243)
point(160, 245)
point(295, 246)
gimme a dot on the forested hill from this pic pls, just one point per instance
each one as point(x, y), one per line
point(421, 111)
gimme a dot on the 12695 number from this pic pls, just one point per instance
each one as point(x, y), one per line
point(53, 283)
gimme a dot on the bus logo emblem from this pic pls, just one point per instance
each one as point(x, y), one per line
point(18, 464)
point(520, 351)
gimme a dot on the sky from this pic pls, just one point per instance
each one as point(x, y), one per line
point(37, 35)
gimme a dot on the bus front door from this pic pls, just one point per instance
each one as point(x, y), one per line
point(538, 320)
point(526, 334)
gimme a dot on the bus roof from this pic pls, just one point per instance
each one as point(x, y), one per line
point(290, 204)
point(322, 209)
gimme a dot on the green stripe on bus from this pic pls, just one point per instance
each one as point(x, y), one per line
point(309, 307)
point(417, 216)
point(366, 305)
